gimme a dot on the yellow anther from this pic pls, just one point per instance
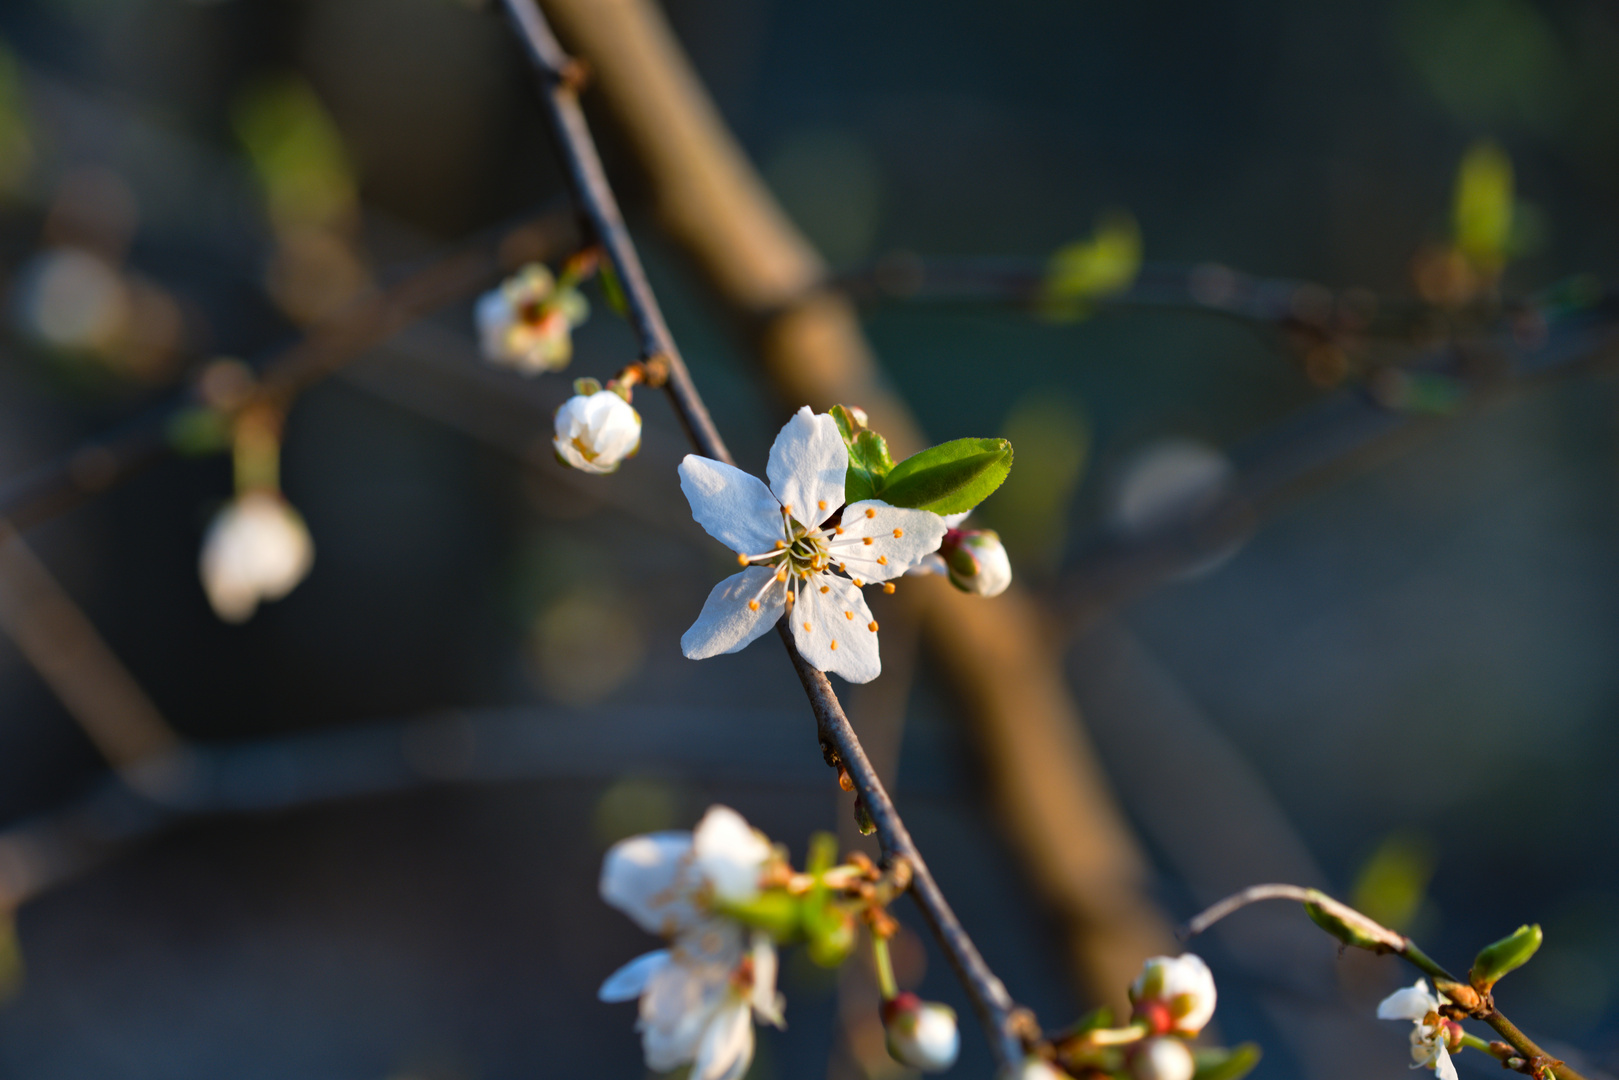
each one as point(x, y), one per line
point(882, 560)
point(858, 583)
point(872, 626)
point(867, 541)
point(786, 508)
point(753, 605)
point(870, 512)
point(780, 544)
point(806, 626)
point(888, 587)
point(834, 644)
point(843, 568)
point(781, 575)
point(898, 533)
point(790, 599)
point(838, 529)
point(849, 615)
point(822, 504)
point(741, 560)
point(824, 588)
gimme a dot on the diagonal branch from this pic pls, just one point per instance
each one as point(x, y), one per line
point(560, 77)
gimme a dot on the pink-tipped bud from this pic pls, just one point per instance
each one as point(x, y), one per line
point(921, 1034)
point(1162, 1058)
point(976, 561)
point(1174, 994)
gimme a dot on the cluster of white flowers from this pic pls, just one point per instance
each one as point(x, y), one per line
point(1431, 1035)
point(698, 997)
point(802, 561)
point(256, 549)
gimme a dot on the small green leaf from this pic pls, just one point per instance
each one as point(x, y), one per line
point(613, 289)
point(199, 430)
point(848, 424)
point(950, 478)
point(1103, 265)
point(1505, 956)
point(772, 911)
point(1220, 1064)
point(869, 459)
point(1481, 215)
point(872, 449)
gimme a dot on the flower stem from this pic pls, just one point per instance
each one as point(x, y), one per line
point(885, 967)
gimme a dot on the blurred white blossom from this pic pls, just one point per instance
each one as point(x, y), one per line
point(1174, 994)
point(921, 1034)
point(596, 432)
point(801, 561)
point(1162, 1058)
point(257, 548)
point(527, 323)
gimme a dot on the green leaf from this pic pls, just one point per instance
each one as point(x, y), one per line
point(869, 459)
point(613, 289)
point(1505, 956)
point(848, 424)
point(1220, 1064)
point(1103, 265)
point(950, 478)
point(773, 911)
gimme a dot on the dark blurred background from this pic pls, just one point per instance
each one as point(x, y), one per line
point(1405, 677)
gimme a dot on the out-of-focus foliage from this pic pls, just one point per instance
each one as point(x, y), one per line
point(297, 154)
point(16, 145)
point(1482, 216)
point(1489, 61)
point(1031, 510)
point(1103, 264)
point(1393, 883)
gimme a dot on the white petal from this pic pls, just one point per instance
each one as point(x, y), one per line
point(727, 624)
point(901, 538)
point(1412, 1003)
point(730, 854)
point(736, 509)
point(1444, 1066)
point(808, 463)
point(679, 1003)
point(649, 879)
point(766, 1002)
point(727, 1045)
point(628, 981)
point(833, 629)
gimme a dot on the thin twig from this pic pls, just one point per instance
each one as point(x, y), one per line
point(560, 77)
point(1400, 945)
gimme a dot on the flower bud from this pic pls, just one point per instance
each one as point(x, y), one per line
point(527, 323)
point(257, 548)
point(1507, 955)
point(595, 433)
point(1174, 995)
point(1035, 1068)
point(921, 1034)
point(976, 561)
point(1163, 1058)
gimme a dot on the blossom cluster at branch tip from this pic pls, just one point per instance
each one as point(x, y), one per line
point(596, 429)
point(1432, 1036)
point(921, 1034)
point(1174, 995)
point(806, 554)
point(257, 548)
point(527, 322)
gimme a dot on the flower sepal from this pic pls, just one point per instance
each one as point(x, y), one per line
point(775, 911)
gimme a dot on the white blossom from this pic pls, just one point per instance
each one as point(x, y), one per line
point(1429, 1032)
point(257, 548)
point(921, 1034)
point(596, 432)
point(1035, 1068)
point(698, 997)
point(801, 561)
point(1162, 1058)
point(1174, 994)
point(527, 323)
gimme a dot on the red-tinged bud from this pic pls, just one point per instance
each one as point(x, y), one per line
point(921, 1034)
point(976, 561)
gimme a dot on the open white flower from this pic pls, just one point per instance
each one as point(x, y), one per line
point(698, 997)
point(257, 548)
point(801, 560)
point(596, 432)
point(1430, 1033)
point(1174, 994)
point(527, 323)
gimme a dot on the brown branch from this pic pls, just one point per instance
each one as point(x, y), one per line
point(1000, 656)
point(559, 77)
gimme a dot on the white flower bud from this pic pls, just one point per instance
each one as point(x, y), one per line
point(595, 432)
point(257, 548)
point(1174, 994)
point(527, 323)
point(1035, 1068)
point(976, 561)
point(921, 1034)
point(1163, 1058)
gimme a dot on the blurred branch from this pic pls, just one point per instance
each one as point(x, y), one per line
point(101, 464)
point(97, 691)
point(560, 78)
point(1073, 839)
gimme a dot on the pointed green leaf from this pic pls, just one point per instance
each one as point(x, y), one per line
point(848, 425)
point(948, 479)
point(1220, 1064)
point(1507, 955)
